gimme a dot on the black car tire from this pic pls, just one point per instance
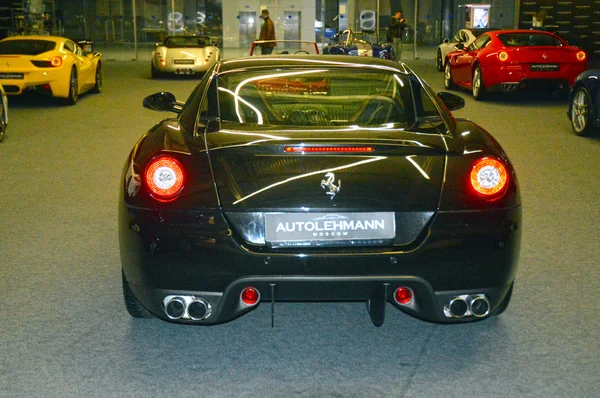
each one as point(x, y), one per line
point(153, 70)
point(98, 85)
point(133, 305)
point(440, 61)
point(582, 117)
point(477, 85)
point(3, 123)
point(73, 91)
point(448, 83)
point(505, 302)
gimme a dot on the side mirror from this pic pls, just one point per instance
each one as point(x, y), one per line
point(452, 101)
point(460, 46)
point(446, 41)
point(163, 101)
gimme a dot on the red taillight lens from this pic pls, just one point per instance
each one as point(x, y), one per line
point(403, 295)
point(325, 149)
point(164, 178)
point(581, 55)
point(250, 296)
point(489, 177)
point(503, 56)
point(56, 61)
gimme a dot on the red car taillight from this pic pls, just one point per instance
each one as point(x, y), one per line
point(489, 177)
point(581, 55)
point(503, 56)
point(164, 178)
point(56, 61)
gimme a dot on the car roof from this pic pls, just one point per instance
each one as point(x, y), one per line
point(343, 61)
point(527, 31)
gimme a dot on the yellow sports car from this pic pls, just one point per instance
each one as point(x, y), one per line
point(50, 65)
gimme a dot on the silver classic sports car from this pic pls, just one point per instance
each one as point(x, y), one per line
point(184, 55)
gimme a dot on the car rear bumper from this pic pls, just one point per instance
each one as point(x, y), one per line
point(464, 253)
point(183, 69)
point(498, 78)
point(50, 82)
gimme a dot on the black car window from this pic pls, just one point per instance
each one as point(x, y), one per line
point(479, 43)
point(529, 39)
point(69, 46)
point(312, 97)
point(188, 115)
point(26, 47)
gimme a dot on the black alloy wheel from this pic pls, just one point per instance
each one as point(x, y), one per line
point(448, 83)
point(477, 85)
point(582, 119)
point(98, 86)
point(73, 90)
point(439, 62)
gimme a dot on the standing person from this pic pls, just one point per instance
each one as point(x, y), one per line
point(397, 24)
point(267, 32)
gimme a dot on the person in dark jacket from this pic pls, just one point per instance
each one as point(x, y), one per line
point(267, 32)
point(397, 24)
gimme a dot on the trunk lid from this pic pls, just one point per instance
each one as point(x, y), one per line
point(258, 174)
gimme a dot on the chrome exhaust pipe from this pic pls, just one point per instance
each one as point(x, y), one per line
point(479, 306)
point(199, 309)
point(458, 307)
point(175, 307)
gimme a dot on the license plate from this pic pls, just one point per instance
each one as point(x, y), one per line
point(544, 67)
point(184, 62)
point(11, 76)
point(323, 229)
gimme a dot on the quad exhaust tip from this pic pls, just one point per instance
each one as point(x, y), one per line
point(187, 307)
point(468, 305)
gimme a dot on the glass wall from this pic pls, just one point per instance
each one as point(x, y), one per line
point(234, 24)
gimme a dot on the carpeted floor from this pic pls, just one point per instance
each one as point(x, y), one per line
point(64, 331)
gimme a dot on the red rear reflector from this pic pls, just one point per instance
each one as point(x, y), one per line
point(164, 178)
point(56, 61)
point(488, 176)
point(335, 149)
point(250, 296)
point(403, 295)
point(581, 55)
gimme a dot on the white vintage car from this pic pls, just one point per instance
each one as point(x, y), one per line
point(184, 55)
point(464, 36)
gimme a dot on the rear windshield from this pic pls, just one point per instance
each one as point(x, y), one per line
point(529, 39)
point(26, 47)
point(187, 41)
point(322, 97)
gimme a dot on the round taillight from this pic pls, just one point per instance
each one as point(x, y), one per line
point(250, 296)
point(488, 176)
point(403, 295)
point(581, 55)
point(503, 56)
point(164, 178)
point(56, 61)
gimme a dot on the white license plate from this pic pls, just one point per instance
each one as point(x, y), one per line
point(308, 229)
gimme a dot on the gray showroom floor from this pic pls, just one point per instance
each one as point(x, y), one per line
point(64, 331)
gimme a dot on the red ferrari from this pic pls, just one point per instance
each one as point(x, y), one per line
point(512, 60)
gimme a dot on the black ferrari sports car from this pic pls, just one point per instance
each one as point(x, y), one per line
point(317, 178)
point(584, 106)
